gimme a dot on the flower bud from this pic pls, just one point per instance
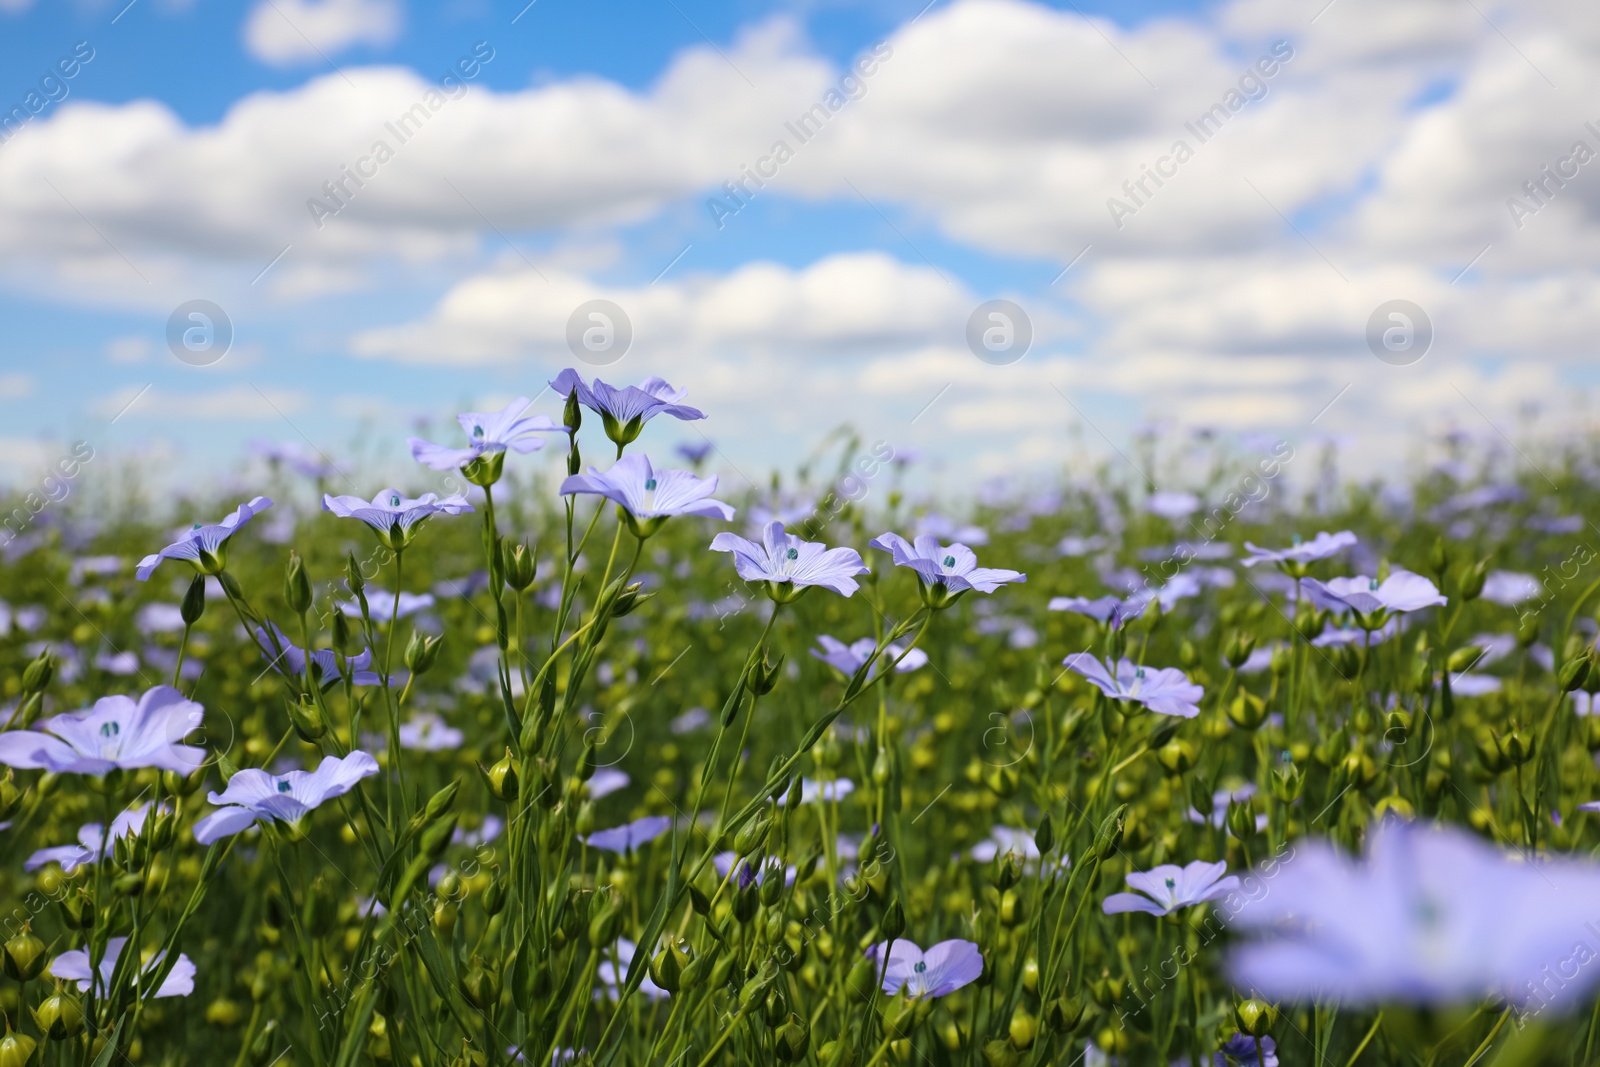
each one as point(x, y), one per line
point(752, 834)
point(25, 956)
point(1247, 711)
point(1063, 1014)
point(1463, 658)
point(1109, 837)
point(1178, 756)
point(306, 715)
point(503, 779)
point(1517, 747)
point(194, 601)
point(1024, 1028)
point(1237, 648)
point(296, 586)
point(894, 921)
point(521, 567)
point(224, 1012)
point(1575, 672)
point(421, 652)
point(1044, 838)
point(37, 674)
point(436, 838)
point(494, 897)
point(1242, 820)
point(629, 599)
point(480, 985)
point(764, 676)
point(999, 1053)
point(1255, 1017)
point(776, 1008)
point(1472, 580)
point(772, 881)
point(572, 414)
point(1007, 869)
point(863, 978)
point(1288, 782)
point(59, 1017)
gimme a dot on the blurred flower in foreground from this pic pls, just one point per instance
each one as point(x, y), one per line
point(91, 841)
point(1321, 546)
point(1172, 505)
point(789, 565)
point(428, 732)
point(629, 836)
point(254, 796)
point(847, 659)
point(392, 516)
point(206, 547)
point(381, 605)
point(1240, 1049)
point(945, 574)
point(836, 790)
point(1510, 588)
point(1431, 916)
point(73, 966)
point(941, 970)
point(649, 497)
point(115, 733)
point(1166, 691)
point(1169, 887)
point(491, 433)
point(1401, 591)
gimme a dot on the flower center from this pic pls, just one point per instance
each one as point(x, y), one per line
point(1372, 584)
point(110, 729)
point(394, 501)
point(1139, 672)
point(477, 431)
point(919, 966)
point(650, 485)
point(1295, 539)
point(283, 786)
point(1172, 883)
point(949, 561)
point(793, 553)
point(196, 526)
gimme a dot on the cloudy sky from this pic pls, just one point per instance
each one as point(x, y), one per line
point(1200, 215)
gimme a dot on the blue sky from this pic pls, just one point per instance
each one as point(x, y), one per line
point(979, 161)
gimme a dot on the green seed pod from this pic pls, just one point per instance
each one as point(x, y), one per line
point(1247, 711)
point(261, 1048)
point(1255, 1017)
point(752, 834)
point(668, 967)
point(25, 956)
point(1044, 838)
point(893, 923)
point(1063, 1013)
point(746, 902)
point(436, 838)
point(503, 779)
point(37, 674)
point(1242, 820)
point(480, 985)
point(1575, 672)
point(1023, 1029)
point(421, 652)
point(59, 1017)
point(494, 897)
point(999, 1053)
point(306, 716)
point(16, 1050)
point(1517, 747)
point(862, 979)
point(1109, 837)
point(1473, 578)
point(1288, 782)
point(791, 1040)
point(520, 566)
point(1237, 648)
point(776, 1008)
point(1178, 756)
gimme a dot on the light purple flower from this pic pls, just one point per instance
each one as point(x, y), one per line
point(945, 574)
point(649, 497)
point(392, 516)
point(290, 660)
point(254, 796)
point(380, 605)
point(205, 547)
point(695, 451)
point(1401, 591)
point(605, 781)
point(1107, 610)
point(626, 410)
point(1240, 1049)
point(295, 458)
point(1169, 887)
point(847, 659)
point(612, 981)
point(428, 732)
point(789, 565)
point(1166, 691)
point(73, 966)
point(1510, 588)
point(1431, 916)
point(836, 790)
point(1172, 505)
point(115, 733)
point(1321, 546)
point(629, 836)
point(91, 841)
point(940, 971)
point(490, 432)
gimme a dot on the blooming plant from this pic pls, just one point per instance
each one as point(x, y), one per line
point(561, 769)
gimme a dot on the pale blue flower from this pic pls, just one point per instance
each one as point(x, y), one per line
point(392, 516)
point(940, 971)
point(206, 547)
point(1169, 887)
point(1166, 691)
point(254, 796)
point(489, 432)
point(789, 565)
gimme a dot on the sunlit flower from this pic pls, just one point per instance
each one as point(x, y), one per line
point(944, 573)
point(629, 836)
point(940, 971)
point(847, 659)
point(789, 565)
point(649, 497)
point(395, 518)
point(73, 966)
point(490, 434)
point(289, 660)
point(812, 791)
point(115, 733)
point(1510, 588)
point(205, 547)
point(1166, 691)
point(624, 411)
point(253, 795)
point(1169, 887)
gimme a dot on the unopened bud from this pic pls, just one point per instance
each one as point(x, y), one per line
point(296, 586)
point(194, 601)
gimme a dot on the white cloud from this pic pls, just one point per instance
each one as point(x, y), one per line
point(240, 402)
point(15, 386)
point(128, 349)
point(287, 32)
